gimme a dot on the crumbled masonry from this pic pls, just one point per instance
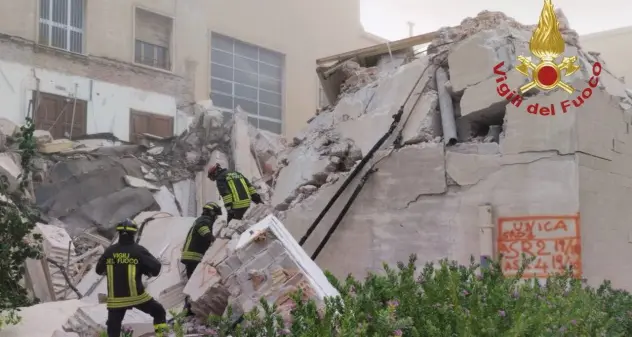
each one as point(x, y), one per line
point(423, 199)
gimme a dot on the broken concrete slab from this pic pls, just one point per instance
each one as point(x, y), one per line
point(164, 238)
point(305, 164)
point(140, 183)
point(419, 127)
point(42, 320)
point(7, 127)
point(166, 201)
point(204, 288)
point(55, 146)
point(10, 171)
point(472, 61)
point(106, 211)
point(90, 320)
point(483, 103)
point(42, 137)
point(519, 135)
point(184, 192)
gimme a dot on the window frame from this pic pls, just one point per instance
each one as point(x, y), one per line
point(235, 84)
point(138, 59)
point(68, 27)
point(170, 50)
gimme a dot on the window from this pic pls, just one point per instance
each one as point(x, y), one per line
point(250, 77)
point(61, 24)
point(153, 39)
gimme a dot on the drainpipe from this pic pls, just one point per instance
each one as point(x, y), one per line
point(485, 234)
point(448, 121)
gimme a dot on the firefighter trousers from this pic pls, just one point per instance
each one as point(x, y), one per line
point(236, 214)
point(151, 307)
point(190, 268)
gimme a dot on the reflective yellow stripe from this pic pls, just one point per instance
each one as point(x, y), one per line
point(233, 190)
point(191, 256)
point(131, 280)
point(129, 229)
point(245, 186)
point(187, 243)
point(204, 230)
point(251, 190)
point(122, 302)
point(110, 277)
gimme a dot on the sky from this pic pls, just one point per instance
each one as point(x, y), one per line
point(388, 18)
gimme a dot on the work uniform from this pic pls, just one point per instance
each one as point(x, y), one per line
point(124, 263)
point(198, 240)
point(236, 192)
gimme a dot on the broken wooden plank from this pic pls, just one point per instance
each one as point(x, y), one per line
point(379, 49)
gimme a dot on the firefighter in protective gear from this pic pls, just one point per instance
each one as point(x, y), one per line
point(198, 240)
point(124, 263)
point(236, 191)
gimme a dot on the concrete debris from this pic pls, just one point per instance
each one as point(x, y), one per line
point(265, 261)
point(510, 152)
point(10, 171)
point(357, 76)
point(140, 183)
point(8, 128)
point(42, 320)
point(42, 137)
point(89, 320)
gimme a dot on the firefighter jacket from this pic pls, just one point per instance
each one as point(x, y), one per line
point(124, 264)
point(235, 189)
point(199, 238)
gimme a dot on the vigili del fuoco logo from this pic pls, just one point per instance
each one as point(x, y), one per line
point(547, 44)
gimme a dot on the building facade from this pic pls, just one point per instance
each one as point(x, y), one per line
point(129, 67)
point(614, 49)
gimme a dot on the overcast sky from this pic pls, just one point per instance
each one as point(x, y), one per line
point(388, 18)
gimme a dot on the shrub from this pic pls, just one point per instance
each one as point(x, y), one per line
point(17, 219)
point(448, 300)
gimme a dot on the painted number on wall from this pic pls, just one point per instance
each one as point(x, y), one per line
point(554, 242)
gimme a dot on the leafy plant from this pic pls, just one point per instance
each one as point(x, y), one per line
point(17, 216)
point(445, 301)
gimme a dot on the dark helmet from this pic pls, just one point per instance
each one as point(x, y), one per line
point(213, 171)
point(212, 207)
point(127, 226)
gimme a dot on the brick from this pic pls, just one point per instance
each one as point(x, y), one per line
point(260, 261)
point(224, 269)
point(276, 248)
point(286, 262)
point(250, 250)
point(233, 262)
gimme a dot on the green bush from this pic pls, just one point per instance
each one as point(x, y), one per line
point(17, 220)
point(448, 300)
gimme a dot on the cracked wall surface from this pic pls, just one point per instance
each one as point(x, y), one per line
point(425, 197)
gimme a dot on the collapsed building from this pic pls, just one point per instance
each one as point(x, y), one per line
point(422, 153)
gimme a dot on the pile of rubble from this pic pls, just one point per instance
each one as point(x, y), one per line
point(447, 143)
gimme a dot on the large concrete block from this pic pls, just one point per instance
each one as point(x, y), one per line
point(424, 164)
point(526, 132)
point(42, 319)
point(446, 225)
point(419, 126)
point(472, 61)
point(482, 102)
